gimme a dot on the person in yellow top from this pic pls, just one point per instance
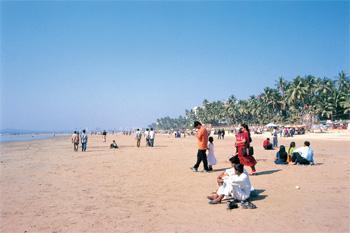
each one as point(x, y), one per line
point(202, 137)
point(290, 152)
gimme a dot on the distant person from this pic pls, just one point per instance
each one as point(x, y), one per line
point(211, 155)
point(147, 137)
point(290, 151)
point(138, 137)
point(104, 133)
point(274, 138)
point(84, 140)
point(303, 155)
point(114, 145)
point(151, 137)
point(222, 134)
point(292, 132)
point(267, 144)
point(281, 156)
point(219, 134)
point(75, 140)
point(202, 138)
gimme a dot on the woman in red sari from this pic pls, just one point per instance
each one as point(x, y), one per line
point(243, 141)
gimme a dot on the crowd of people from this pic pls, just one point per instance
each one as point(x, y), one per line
point(234, 182)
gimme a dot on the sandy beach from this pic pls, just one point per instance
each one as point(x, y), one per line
point(47, 187)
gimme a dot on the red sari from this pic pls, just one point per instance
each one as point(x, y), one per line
point(242, 142)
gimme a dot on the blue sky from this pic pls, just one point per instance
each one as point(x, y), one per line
point(67, 65)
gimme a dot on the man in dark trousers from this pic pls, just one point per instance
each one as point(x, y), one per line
point(202, 137)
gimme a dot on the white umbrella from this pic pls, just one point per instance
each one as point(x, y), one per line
point(269, 125)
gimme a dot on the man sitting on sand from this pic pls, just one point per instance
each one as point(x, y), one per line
point(267, 144)
point(238, 186)
point(303, 155)
point(114, 145)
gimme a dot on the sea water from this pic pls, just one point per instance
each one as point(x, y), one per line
point(24, 137)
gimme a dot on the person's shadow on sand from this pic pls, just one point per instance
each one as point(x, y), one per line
point(267, 172)
point(256, 195)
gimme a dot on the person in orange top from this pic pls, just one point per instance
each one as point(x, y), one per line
point(202, 137)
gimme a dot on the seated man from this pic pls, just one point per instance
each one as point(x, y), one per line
point(114, 145)
point(238, 186)
point(303, 155)
point(267, 144)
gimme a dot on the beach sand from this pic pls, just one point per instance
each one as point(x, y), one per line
point(47, 187)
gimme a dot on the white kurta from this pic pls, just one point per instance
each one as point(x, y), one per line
point(211, 157)
point(238, 187)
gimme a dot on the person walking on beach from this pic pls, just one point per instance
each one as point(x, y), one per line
point(151, 137)
point(104, 136)
point(84, 140)
point(243, 140)
point(147, 137)
point(75, 140)
point(202, 137)
point(138, 137)
point(274, 138)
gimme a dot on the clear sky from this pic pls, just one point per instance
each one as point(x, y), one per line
point(67, 65)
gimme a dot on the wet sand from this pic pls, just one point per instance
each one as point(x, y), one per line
point(47, 187)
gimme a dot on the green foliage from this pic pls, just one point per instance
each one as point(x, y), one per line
point(289, 102)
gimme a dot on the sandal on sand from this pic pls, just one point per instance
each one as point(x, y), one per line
point(232, 205)
point(248, 205)
point(214, 202)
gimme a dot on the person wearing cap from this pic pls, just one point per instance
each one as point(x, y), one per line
point(202, 138)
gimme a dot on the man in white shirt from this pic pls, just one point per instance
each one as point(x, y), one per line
point(138, 137)
point(147, 137)
point(303, 155)
point(151, 137)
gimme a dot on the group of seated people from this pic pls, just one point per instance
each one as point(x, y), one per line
point(233, 183)
point(302, 155)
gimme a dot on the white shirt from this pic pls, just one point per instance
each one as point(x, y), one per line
point(151, 134)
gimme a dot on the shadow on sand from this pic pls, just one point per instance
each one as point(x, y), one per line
point(220, 169)
point(267, 172)
point(256, 195)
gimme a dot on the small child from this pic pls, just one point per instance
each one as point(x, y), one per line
point(211, 156)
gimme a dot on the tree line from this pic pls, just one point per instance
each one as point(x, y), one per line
point(303, 100)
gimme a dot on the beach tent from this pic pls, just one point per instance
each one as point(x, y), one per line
point(269, 125)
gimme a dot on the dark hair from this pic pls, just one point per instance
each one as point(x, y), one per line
point(292, 144)
point(268, 139)
point(247, 128)
point(211, 139)
point(151, 128)
point(282, 149)
point(196, 123)
point(238, 167)
point(84, 131)
point(234, 160)
point(307, 143)
point(75, 131)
